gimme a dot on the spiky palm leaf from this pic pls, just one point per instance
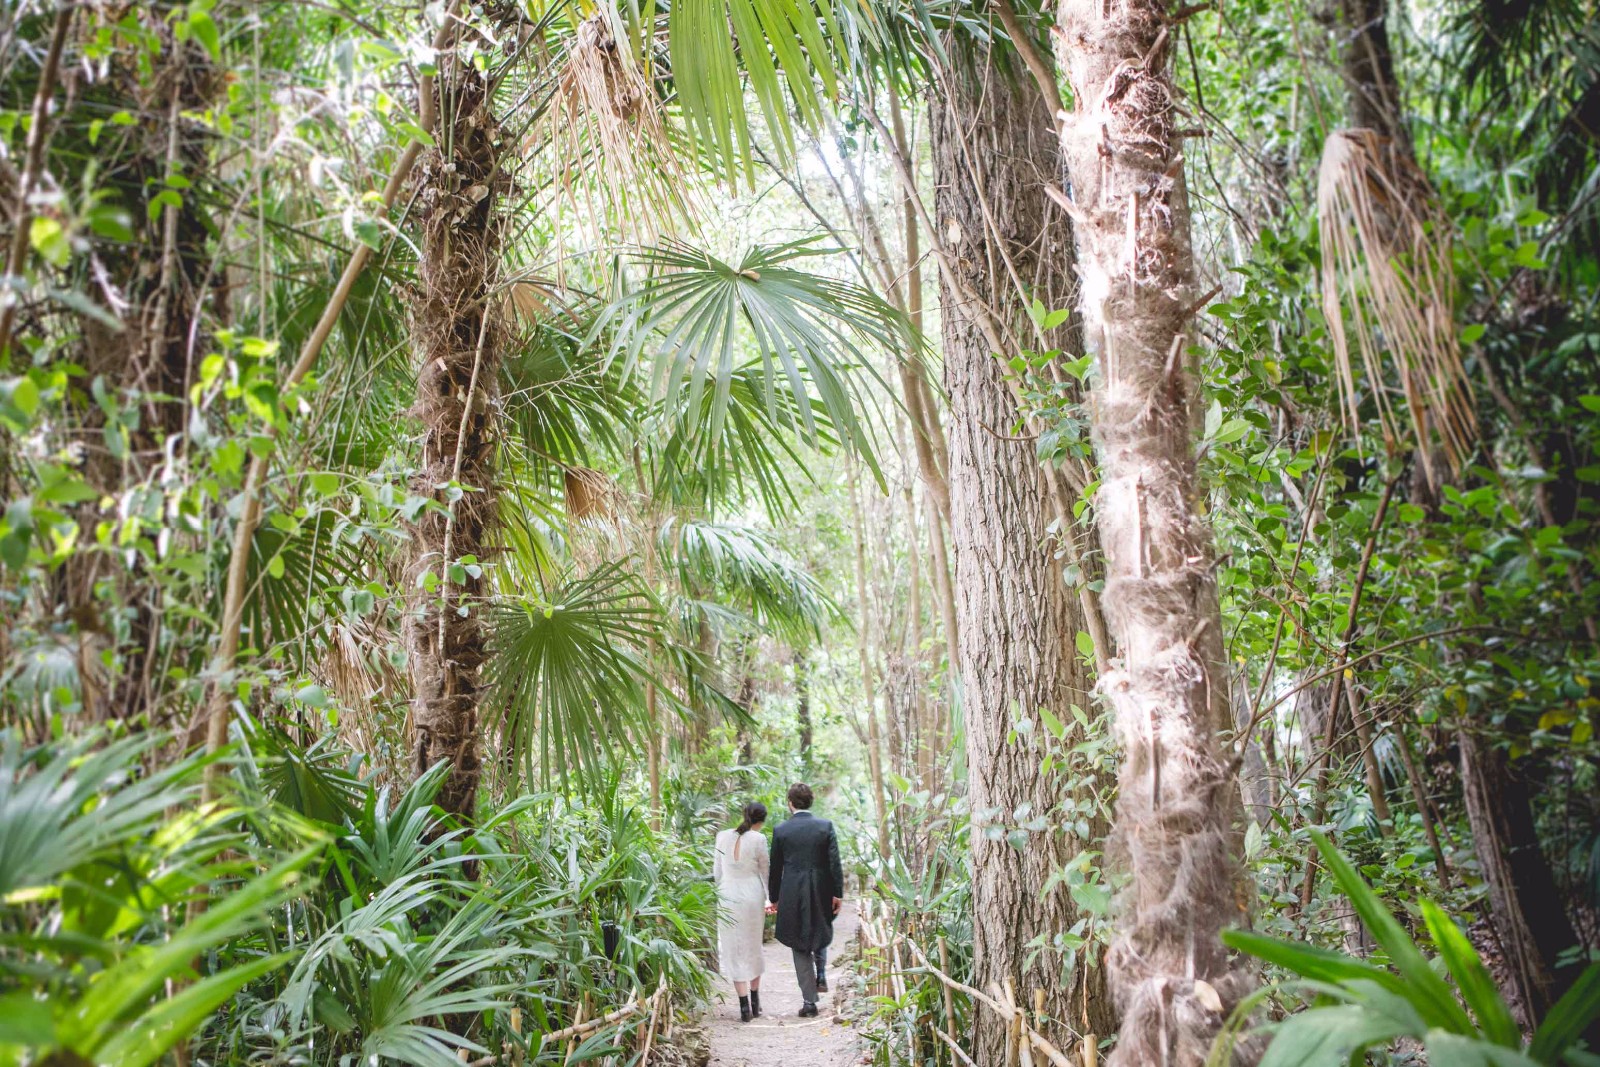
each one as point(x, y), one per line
point(785, 47)
point(754, 457)
point(566, 680)
point(775, 588)
point(701, 316)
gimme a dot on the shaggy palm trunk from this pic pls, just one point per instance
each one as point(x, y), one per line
point(993, 155)
point(1175, 831)
point(458, 335)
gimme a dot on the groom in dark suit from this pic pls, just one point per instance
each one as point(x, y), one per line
point(806, 885)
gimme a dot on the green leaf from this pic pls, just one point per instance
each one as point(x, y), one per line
point(1427, 990)
point(174, 1018)
point(49, 239)
point(1309, 961)
point(22, 394)
point(204, 29)
point(1326, 1037)
point(26, 1020)
point(1458, 1051)
point(1569, 1017)
point(1472, 978)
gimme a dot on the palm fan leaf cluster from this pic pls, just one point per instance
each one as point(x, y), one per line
point(697, 314)
point(566, 678)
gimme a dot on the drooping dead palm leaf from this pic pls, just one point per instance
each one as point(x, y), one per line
point(1388, 279)
point(612, 126)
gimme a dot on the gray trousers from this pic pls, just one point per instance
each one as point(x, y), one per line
point(809, 966)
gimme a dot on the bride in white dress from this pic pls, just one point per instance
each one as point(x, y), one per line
point(739, 868)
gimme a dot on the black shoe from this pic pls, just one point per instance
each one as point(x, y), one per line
point(822, 985)
point(808, 1012)
point(755, 1003)
point(744, 1009)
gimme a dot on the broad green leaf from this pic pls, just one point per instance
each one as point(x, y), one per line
point(1472, 978)
point(1427, 990)
point(1325, 1037)
point(1568, 1018)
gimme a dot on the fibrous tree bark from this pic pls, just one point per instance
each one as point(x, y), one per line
point(1176, 823)
point(458, 337)
point(994, 153)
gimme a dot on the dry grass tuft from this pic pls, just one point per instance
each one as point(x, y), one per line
point(1387, 272)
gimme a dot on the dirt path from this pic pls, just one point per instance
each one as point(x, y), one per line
point(780, 1038)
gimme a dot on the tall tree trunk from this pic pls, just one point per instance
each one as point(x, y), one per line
point(1368, 63)
point(1178, 804)
point(802, 708)
point(458, 335)
point(864, 640)
point(1527, 908)
point(993, 155)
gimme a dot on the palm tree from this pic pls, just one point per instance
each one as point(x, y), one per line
point(1175, 828)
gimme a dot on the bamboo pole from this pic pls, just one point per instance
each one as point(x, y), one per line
point(226, 658)
point(955, 1049)
point(949, 997)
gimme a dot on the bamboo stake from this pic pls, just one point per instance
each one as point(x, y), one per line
point(1024, 1054)
point(583, 1009)
point(1091, 1051)
point(955, 1049)
point(949, 998)
point(580, 1028)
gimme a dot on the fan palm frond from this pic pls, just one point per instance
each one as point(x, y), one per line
point(792, 55)
point(1386, 262)
point(780, 594)
point(699, 314)
point(79, 804)
point(754, 457)
point(567, 677)
point(293, 562)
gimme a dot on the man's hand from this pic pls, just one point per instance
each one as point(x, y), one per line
point(771, 909)
point(837, 904)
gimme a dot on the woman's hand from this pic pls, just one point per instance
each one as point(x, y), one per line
point(771, 909)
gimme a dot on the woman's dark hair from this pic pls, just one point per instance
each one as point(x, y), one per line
point(754, 812)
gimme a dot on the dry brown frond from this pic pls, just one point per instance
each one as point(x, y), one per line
point(590, 496)
point(1387, 271)
point(618, 163)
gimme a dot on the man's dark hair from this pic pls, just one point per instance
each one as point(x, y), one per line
point(800, 796)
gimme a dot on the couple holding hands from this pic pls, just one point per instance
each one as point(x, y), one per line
point(804, 883)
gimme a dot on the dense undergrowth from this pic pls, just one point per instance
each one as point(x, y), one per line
point(323, 919)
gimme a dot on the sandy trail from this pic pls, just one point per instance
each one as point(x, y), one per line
point(780, 1038)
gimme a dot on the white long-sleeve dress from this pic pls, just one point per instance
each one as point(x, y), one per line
point(742, 891)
